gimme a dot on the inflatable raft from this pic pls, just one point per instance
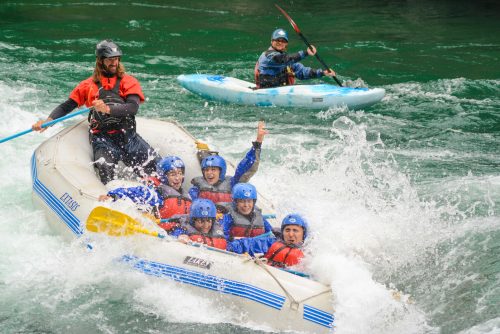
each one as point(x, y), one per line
point(323, 96)
point(66, 187)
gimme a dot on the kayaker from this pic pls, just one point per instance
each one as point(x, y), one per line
point(115, 97)
point(283, 252)
point(243, 218)
point(163, 195)
point(276, 67)
point(214, 184)
point(200, 226)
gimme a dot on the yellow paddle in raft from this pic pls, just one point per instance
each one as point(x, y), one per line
point(115, 223)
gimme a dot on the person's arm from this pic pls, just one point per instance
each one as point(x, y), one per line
point(194, 192)
point(267, 226)
point(139, 195)
point(61, 110)
point(249, 165)
point(251, 246)
point(287, 58)
point(303, 73)
point(226, 223)
point(129, 108)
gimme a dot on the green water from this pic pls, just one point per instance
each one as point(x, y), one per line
point(407, 190)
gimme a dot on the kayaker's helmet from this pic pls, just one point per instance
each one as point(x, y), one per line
point(107, 49)
point(294, 219)
point(167, 164)
point(244, 191)
point(202, 208)
point(215, 161)
point(279, 33)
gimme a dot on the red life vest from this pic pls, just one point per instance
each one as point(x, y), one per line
point(174, 206)
point(218, 193)
point(243, 227)
point(87, 91)
point(214, 238)
point(216, 242)
point(281, 255)
point(174, 202)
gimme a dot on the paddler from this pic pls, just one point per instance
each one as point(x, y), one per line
point(114, 97)
point(243, 218)
point(276, 67)
point(285, 251)
point(214, 184)
point(162, 194)
point(201, 225)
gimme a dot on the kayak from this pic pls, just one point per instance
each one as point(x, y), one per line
point(66, 187)
point(321, 96)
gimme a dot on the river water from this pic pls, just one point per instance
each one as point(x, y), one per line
point(403, 198)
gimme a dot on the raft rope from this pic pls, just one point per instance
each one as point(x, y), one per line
point(294, 303)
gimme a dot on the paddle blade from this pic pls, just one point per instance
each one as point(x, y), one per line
point(295, 27)
point(114, 223)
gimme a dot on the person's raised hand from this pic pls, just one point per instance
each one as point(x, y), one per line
point(261, 131)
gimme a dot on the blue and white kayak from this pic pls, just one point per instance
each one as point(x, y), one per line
point(322, 96)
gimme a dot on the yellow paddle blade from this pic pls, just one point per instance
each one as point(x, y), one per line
point(114, 223)
point(201, 145)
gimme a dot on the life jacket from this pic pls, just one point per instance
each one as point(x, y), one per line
point(218, 193)
point(176, 221)
point(273, 76)
point(104, 122)
point(215, 238)
point(243, 227)
point(174, 202)
point(281, 255)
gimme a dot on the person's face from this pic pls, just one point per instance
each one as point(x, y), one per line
point(203, 225)
point(293, 234)
point(211, 174)
point(175, 178)
point(111, 64)
point(279, 44)
point(244, 206)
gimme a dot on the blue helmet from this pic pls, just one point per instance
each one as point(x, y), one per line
point(294, 219)
point(215, 161)
point(167, 164)
point(244, 191)
point(202, 208)
point(279, 33)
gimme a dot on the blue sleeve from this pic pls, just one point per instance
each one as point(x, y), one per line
point(302, 72)
point(245, 166)
point(267, 226)
point(250, 245)
point(286, 58)
point(227, 223)
point(140, 195)
point(194, 192)
point(177, 231)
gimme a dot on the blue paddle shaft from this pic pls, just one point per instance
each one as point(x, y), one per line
point(46, 124)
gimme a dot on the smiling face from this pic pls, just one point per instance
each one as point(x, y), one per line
point(279, 44)
point(244, 206)
point(293, 234)
point(211, 174)
point(111, 64)
point(203, 225)
point(175, 178)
